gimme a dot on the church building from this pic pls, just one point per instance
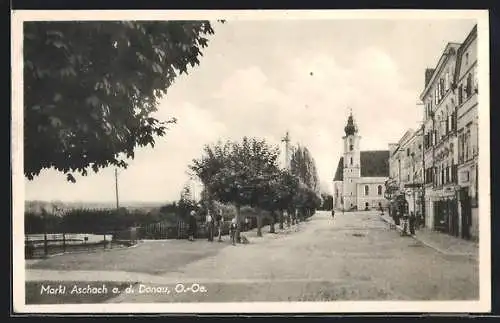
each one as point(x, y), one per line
point(359, 181)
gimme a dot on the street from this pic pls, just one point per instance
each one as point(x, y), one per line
point(354, 257)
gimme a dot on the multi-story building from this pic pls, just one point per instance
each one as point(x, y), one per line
point(405, 168)
point(467, 103)
point(440, 143)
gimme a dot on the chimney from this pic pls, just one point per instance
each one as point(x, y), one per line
point(428, 75)
point(392, 148)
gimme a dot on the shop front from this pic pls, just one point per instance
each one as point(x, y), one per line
point(445, 209)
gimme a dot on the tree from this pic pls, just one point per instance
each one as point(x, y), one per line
point(307, 198)
point(327, 201)
point(90, 88)
point(237, 172)
point(279, 196)
point(186, 202)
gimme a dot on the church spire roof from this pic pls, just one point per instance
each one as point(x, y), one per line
point(350, 128)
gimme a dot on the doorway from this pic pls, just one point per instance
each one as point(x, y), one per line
point(466, 213)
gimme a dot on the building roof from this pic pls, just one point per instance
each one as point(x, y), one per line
point(350, 128)
point(472, 34)
point(374, 163)
point(339, 173)
point(450, 49)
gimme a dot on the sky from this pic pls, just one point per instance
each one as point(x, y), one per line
point(263, 78)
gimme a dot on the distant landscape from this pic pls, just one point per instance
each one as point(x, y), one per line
point(37, 206)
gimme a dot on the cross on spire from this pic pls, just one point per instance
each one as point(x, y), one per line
point(286, 138)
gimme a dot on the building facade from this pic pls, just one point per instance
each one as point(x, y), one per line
point(450, 141)
point(467, 133)
point(406, 169)
point(440, 156)
point(360, 176)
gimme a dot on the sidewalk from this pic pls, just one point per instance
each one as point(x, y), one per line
point(441, 242)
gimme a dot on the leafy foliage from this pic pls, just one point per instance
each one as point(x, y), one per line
point(279, 192)
point(90, 88)
point(327, 201)
point(88, 221)
point(186, 202)
point(304, 168)
point(237, 172)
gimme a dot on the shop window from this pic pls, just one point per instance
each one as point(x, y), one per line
point(367, 190)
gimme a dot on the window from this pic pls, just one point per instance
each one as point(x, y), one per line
point(367, 190)
point(407, 152)
point(442, 124)
point(461, 148)
point(467, 153)
point(468, 88)
point(466, 59)
point(379, 190)
point(351, 146)
point(447, 81)
point(351, 161)
point(475, 80)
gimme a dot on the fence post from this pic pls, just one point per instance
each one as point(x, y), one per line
point(64, 242)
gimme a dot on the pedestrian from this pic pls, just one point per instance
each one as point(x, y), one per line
point(381, 208)
point(220, 221)
point(397, 214)
point(247, 224)
point(192, 225)
point(232, 231)
point(210, 226)
point(413, 222)
point(333, 213)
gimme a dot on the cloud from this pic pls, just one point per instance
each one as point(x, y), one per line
point(268, 78)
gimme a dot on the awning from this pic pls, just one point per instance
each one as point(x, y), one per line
point(413, 185)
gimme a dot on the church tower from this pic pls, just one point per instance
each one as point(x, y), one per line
point(352, 163)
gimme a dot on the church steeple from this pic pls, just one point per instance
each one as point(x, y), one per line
point(350, 128)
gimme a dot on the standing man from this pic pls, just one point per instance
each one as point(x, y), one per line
point(192, 225)
point(210, 226)
point(413, 222)
point(232, 231)
point(220, 222)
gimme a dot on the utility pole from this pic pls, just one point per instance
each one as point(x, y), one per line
point(286, 139)
point(116, 189)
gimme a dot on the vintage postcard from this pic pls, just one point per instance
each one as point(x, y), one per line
point(251, 161)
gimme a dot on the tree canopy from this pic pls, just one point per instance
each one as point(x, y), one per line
point(237, 172)
point(303, 166)
point(90, 88)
